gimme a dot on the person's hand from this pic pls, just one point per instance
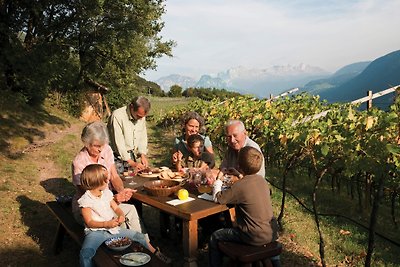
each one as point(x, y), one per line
point(128, 193)
point(111, 223)
point(124, 195)
point(137, 166)
point(233, 171)
point(120, 219)
point(120, 197)
point(221, 173)
point(217, 187)
point(144, 160)
point(177, 156)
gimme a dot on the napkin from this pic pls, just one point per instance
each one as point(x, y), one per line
point(206, 197)
point(175, 202)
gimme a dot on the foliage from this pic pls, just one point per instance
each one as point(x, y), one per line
point(118, 97)
point(49, 45)
point(175, 91)
point(342, 144)
point(208, 93)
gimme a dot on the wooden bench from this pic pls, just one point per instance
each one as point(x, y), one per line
point(246, 255)
point(104, 256)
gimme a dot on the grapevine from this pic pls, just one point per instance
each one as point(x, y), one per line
point(346, 144)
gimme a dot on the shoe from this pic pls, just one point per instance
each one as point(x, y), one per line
point(162, 257)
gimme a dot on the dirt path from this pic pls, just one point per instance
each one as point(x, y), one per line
point(46, 166)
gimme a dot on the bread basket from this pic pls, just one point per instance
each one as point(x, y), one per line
point(161, 188)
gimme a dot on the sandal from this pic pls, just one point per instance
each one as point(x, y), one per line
point(162, 257)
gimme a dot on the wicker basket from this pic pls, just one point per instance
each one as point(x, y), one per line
point(162, 188)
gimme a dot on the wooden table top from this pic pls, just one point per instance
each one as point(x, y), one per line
point(192, 210)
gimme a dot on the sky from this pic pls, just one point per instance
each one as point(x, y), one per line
point(215, 35)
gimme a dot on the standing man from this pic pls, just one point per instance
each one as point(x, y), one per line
point(128, 134)
point(236, 137)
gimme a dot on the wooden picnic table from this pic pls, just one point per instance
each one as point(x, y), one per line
point(190, 212)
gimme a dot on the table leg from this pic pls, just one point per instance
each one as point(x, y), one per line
point(189, 240)
point(164, 224)
point(138, 206)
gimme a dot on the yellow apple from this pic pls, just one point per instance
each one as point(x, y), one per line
point(183, 194)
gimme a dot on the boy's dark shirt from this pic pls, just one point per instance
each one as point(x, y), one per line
point(253, 209)
point(205, 157)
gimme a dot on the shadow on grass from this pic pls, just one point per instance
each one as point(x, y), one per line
point(58, 186)
point(41, 227)
point(24, 123)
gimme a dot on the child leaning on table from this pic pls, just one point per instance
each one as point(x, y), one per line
point(102, 216)
point(256, 224)
point(197, 157)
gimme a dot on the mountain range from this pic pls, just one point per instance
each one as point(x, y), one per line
point(378, 75)
point(258, 82)
point(349, 83)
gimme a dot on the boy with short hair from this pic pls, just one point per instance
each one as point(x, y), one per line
point(198, 158)
point(256, 224)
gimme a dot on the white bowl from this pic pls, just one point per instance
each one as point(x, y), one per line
point(118, 243)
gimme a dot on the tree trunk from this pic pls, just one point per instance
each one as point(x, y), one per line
point(393, 207)
point(373, 220)
point(291, 162)
point(314, 203)
point(368, 189)
point(280, 217)
point(359, 191)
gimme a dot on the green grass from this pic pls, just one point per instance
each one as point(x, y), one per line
point(64, 151)
point(161, 105)
point(340, 249)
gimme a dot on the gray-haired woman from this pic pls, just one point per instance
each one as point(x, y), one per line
point(97, 151)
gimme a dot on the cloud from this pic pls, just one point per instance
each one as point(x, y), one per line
point(216, 35)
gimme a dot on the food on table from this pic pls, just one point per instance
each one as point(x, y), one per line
point(183, 194)
point(204, 188)
point(161, 187)
point(135, 259)
point(163, 168)
point(150, 170)
point(168, 174)
point(120, 242)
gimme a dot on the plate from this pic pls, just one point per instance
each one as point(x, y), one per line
point(172, 179)
point(135, 259)
point(149, 175)
point(123, 243)
point(165, 177)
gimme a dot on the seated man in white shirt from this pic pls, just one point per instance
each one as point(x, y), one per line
point(236, 138)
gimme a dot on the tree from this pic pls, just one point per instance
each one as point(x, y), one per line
point(110, 41)
point(175, 91)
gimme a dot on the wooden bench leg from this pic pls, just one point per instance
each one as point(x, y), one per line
point(59, 238)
